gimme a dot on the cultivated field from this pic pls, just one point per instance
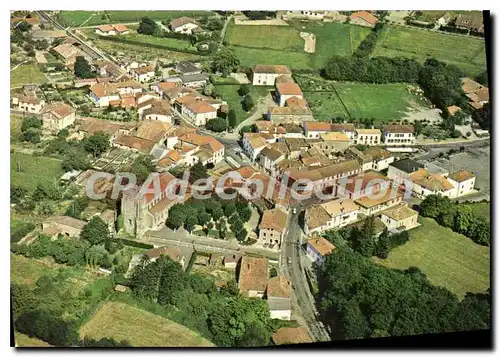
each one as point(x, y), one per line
point(26, 74)
point(281, 44)
point(383, 102)
point(466, 52)
point(140, 328)
point(448, 259)
point(23, 340)
point(34, 170)
point(91, 18)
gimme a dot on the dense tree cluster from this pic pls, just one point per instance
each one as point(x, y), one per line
point(367, 46)
point(218, 125)
point(259, 15)
point(460, 218)
point(97, 143)
point(147, 26)
point(141, 167)
point(224, 317)
point(388, 302)
point(225, 61)
point(483, 116)
point(82, 68)
point(31, 129)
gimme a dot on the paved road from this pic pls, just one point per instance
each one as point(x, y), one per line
point(433, 151)
point(294, 271)
point(223, 32)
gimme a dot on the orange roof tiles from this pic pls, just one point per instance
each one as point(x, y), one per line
point(279, 286)
point(289, 88)
point(321, 245)
point(366, 16)
point(274, 219)
point(253, 274)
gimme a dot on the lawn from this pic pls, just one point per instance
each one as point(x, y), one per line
point(466, 52)
point(27, 271)
point(229, 93)
point(26, 74)
point(383, 102)
point(140, 328)
point(282, 44)
point(34, 170)
point(448, 259)
point(23, 340)
point(92, 18)
point(276, 37)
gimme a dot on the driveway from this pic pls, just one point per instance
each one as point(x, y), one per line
point(262, 105)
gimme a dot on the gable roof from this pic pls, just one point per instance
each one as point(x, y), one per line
point(273, 69)
point(432, 182)
point(288, 88)
point(175, 23)
point(152, 130)
point(407, 129)
point(59, 110)
point(316, 216)
point(461, 176)
point(366, 16)
point(271, 154)
point(253, 274)
point(279, 286)
point(66, 221)
point(321, 245)
point(339, 206)
point(407, 165)
point(316, 126)
point(400, 212)
point(274, 219)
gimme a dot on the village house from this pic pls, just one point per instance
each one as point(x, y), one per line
point(302, 14)
point(57, 116)
point(145, 137)
point(395, 135)
point(368, 136)
point(400, 170)
point(368, 183)
point(463, 181)
point(89, 126)
point(253, 143)
point(67, 226)
point(279, 297)
point(294, 114)
point(313, 129)
point(148, 212)
point(347, 129)
point(472, 21)
point(268, 158)
point(143, 74)
point(289, 131)
point(318, 248)
point(365, 161)
point(103, 93)
point(28, 102)
point(193, 80)
point(111, 30)
point(477, 93)
point(161, 87)
point(184, 25)
point(363, 18)
point(187, 68)
point(381, 158)
point(253, 277)
point(329, 215)
point(231, 261)
point(332, 143)
point(445, 19)
point(205, 148)
point(171, 252)
point(68, 53)
point(84, 82)
point(272, 227)
point(196, 108)
point(159, 110)
point(399, 218)
point(287, 90)
point(424, 183)
point(369, 205)
point(265, 75)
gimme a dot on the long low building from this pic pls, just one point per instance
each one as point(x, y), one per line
point(329, 215)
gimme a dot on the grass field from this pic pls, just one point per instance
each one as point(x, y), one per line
point(383, 102)
point(26, 73)
point(27, 271)
point(481, 208)
point(34, 170)
point(448, 259)
point(283, 44)
point(140, 328)
point(91, 18)
point(466, 52)
point(23, 340)
point(229, 93)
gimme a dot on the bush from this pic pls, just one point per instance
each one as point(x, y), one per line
point(19, 233)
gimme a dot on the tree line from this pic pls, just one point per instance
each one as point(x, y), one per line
point(459, 217)
point(389, 302)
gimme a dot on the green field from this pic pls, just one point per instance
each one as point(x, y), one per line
point(229, 93)
point(77, 18)
point(283, 44)
point(466, 52)
point(26, 73)
point(481, 208)
point(34, 170)
point(448, 259)
point(383, 102)
point(140, 328)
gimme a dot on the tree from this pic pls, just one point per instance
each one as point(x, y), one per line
point(176, 216)
point(95, 231)
point(225, 61)
point(247, 103)
point(483, 78)
point(208, 89)
point(217, 125)
point(232, 119)
point(147, 26)
point(17, 193)
point(23, 26)
point(82, 68)
point(32, 135)
point(433, 205)
point(241, 235)
point(256, 335)
point(31, 122)
point(97, 143)
point(229, 209)
point(244, 90)
point(383, 245)
point(142, 167)
point(76, 159)
point(418, 127)
point(197, 171)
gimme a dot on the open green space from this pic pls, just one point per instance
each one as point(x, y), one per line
point(91, 18)
point(466, 52)
point(229, 93)
point(283, 44)
point(481, 208)
point(160, 41)
point(28, 171)
point(383, 102)
point(114, 319)
point(448, 259)
point(28, 73)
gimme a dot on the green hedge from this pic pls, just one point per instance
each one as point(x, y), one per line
point(153, 45)
point(133, 243)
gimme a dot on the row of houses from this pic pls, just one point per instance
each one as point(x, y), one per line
point(361, 18)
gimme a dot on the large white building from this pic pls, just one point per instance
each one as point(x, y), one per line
point(399, 135)
point(368, 136)
point(329, 215)
point(265, 75)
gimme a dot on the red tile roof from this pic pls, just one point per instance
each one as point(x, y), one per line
point(366, 16)
point(289, 88)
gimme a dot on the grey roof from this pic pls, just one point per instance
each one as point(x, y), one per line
point(193, 78)
point(407, 165)
point(433, 168)
point(158, 152)
point(279, 304)
point(186, 67)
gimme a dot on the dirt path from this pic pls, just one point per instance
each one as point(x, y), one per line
point(309, 42)
point(243, 20)
point(262, 106)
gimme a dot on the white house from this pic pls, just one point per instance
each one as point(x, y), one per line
point(400, 170)
point(318, 248)
point(57, 116)
point(463, 182)
point(329, 215)
point(184, 25)
point(381, 159)
point(314, 129)
point(253, 143)
point(423, 183)
point(368, 136)
point(29, 103)
point(279, 297)
point(395, 135)
point(265, 75)
point(399, 218)
point(268, 158)
point(159, 110)
point(143, 74)
point(287, 90)
point(196, 109)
